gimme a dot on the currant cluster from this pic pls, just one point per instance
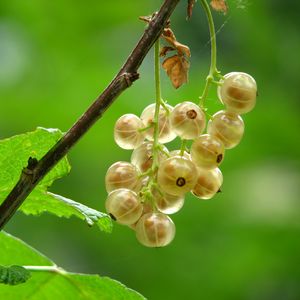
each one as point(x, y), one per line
point(153, 185)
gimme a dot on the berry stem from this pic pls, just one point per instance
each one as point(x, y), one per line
point(147, 195)
point(213, 71)
point(158, 101)
point(183, 147)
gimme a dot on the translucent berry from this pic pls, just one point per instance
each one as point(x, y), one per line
point(127, 132)
point(228, 127)
point(208, 183)
point(122, 175)
point(176, 175)
point(142, 156)
point(166, 203)
point(124, 206)
point(187, 120)
point(207, 151)
point(238, 92)
point(147, 208)
point(178, 153)
point(166, 134)
point(155, 230)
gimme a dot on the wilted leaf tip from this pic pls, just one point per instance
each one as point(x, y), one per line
point(176, 66)
point(177, 69)
point(219, 5)
point(190, 7)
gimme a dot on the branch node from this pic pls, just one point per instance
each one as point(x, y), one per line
point(31, 165)
point(130, 77)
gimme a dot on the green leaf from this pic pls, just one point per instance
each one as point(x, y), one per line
point(51, 282)
point(13, 275)
point(14, 155)
point(63, 207)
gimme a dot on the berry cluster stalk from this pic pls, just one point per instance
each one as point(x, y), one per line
point(213, 71)
point(158, 101)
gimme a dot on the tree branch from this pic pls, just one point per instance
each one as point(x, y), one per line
point(36, 170)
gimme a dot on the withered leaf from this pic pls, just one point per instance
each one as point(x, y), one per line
point(164, 50)
point(219, 5)
point(190, 8)
point(177, 69)
point(169, 36)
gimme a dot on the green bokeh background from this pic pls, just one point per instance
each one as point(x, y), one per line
point(57, 56)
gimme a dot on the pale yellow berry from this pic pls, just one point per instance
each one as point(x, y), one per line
point(238, 92)
point(228, 127)
point(155, 230)
point(207, 151)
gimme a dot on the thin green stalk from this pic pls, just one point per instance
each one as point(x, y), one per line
point(53, 269)
point(157, 104)
point(183, 147)
point(213, 71)
point(148, 190)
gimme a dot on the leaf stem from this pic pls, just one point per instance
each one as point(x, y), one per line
point(213, 71)
point(53, 269)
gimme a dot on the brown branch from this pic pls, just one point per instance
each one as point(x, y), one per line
point(36, 170)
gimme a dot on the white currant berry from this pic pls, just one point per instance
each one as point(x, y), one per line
point(208, 183)
point(178, 153)
point(127, 131)
point(228, 127)
point(122, 175)
point(176, 175)
point(124, 206)
point(155, 230)
point(142, 157)
point(166, 203)
point(207, 151)
point(147, 208)
point(238, 92)
point(187, 120)
point(166, 134)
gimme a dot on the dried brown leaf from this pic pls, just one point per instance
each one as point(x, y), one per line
point(219, 5)
point(177, 68)
point(164, 50)
point(190, 8)
point(169, 36)
point(182, 49)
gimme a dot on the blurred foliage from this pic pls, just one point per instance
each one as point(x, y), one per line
point(57, 56)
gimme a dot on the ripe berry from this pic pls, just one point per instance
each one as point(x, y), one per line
point(187, 120)
point(142, 156)
point(122, 175)
point(177, 175)
point(228, 127)
point(124, 206)
point(238, 92)
point(155, 230)
point(166, 203)
point(208, 183)
point(207, 151)
point(127, 132)
point(178, 153)
point(147, 208)
point(165, 133)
